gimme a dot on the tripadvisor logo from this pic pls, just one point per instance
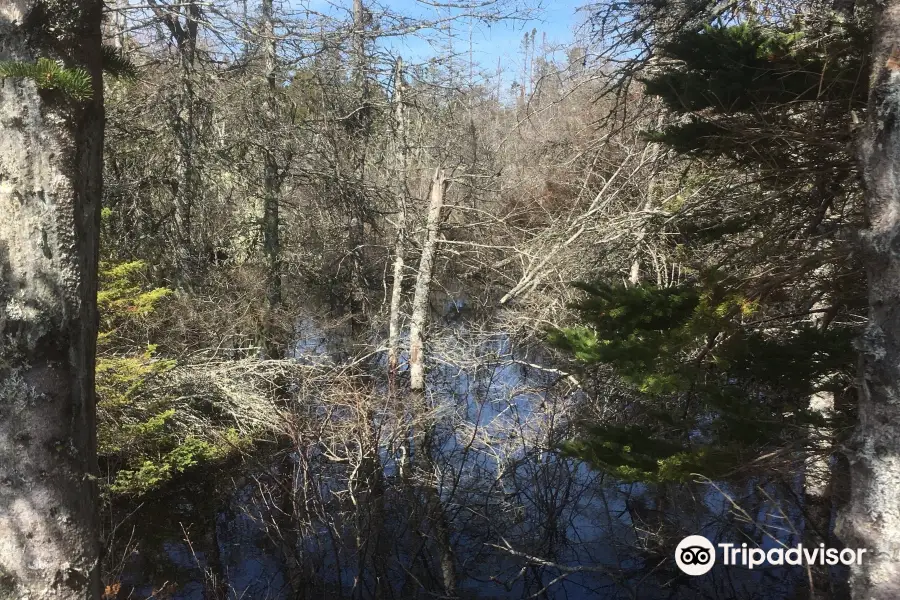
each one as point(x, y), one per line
point(696, 555)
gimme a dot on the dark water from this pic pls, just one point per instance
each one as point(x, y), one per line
point(523, 521)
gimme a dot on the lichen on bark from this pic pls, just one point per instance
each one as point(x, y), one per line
point(872, 518)
point(50, 184)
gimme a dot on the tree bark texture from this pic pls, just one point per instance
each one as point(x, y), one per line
point(871, 519)
point(187, 115)
point(400, 243)
point(271, 222)
point(419, 317)
point(50, 187)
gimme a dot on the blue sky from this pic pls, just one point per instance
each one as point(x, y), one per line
point(555, 21)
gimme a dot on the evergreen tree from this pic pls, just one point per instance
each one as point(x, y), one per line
point(719, 367)
point(710, 392)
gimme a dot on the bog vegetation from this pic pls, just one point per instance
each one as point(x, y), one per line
point(389, 323)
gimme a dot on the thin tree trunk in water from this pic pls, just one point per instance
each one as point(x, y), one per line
point(50, 189)
point(418, 321)
point(400, 244)
point(442, 538)
point(871, 520)
point(419, 317)
point(818, 481)
point(287, 520)
point(817, 496)
point(369, 512)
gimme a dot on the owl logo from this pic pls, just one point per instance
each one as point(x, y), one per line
point(695, 555)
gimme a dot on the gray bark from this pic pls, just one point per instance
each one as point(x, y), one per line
point(652, 149)
point(446, 556)
point(400, 243)
point(359, 150)
point(361, 18)
point(271, 189)
point(116, 24)
point(817, 494)
point(818, 482)
point(871, 519)
point(185, 119)
point(186, 116)
point(50, 188)
point(419, 317)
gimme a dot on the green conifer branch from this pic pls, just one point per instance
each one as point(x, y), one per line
point(50, 75)
point(74, 82)
point(117, 64)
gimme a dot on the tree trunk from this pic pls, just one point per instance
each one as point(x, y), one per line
point(819, 478)
point(871, 519)
point(359, 151)
point(817, 494)
point(419, 319)
point(188, 178)
point(360, 24)
point(116, 24)
point(50, 188)
point(185, 116)
point(652, 149)
point(271, 192)
point(419, 316)
point(400, 243)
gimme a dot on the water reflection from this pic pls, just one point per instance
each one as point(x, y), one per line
point(378, 497)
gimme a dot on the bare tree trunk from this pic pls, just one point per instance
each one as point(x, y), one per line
point(419, 317)
point(400, 243)
point(185, 120)
point(271, 191)
point(871, 520)
point(51, 153)
point(817, 494)
point(653, 149)
point(361, 19)
point(819, 479)
point(186, 132)
point(359, 151)
point(418, 321)
point(116, 24)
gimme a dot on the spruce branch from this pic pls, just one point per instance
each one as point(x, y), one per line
point(50, 75)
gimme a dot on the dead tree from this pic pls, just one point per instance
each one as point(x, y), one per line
point(419, 317)
point(400, 243)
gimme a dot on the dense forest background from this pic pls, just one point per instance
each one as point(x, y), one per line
point(375, 326)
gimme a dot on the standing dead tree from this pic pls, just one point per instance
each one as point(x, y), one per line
point(186, 112)
point(419, 317)
point(400, 243)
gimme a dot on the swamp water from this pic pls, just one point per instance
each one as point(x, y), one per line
point(513, 518)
